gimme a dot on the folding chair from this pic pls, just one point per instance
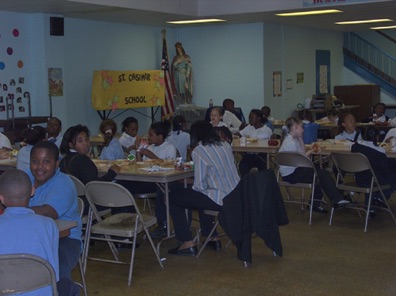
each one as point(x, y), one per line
point(83, 285)
point(117, 226)
point(20, 273)
point(295, 159)
point(146, 197)
point(210, 236)
point(80, 187)
point(354, 163)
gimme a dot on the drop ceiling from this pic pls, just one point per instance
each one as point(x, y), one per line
point(145, 13)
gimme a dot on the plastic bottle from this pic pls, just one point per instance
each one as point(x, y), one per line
point(210, 103)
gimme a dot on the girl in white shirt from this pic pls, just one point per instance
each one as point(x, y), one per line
point(129, 139)
point(216, 117)
point(347, 126)
point(293, 142)
point(178, 137)
point(255, 129)
point(158, 149)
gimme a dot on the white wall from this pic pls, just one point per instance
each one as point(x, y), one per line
point(235, 61)
point(292, 50)
point(227, 63)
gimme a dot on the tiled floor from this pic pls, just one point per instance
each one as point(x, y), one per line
point(318, 260)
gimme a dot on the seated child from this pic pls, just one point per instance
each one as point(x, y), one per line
point(267, 115)
point(129, 139)
point(331, 117)
point(216, 116)
point(224, 133)
point(178, 137)
point(32, 136)
point(255, 129)
point(26, 232)
point(293, 142)
point(55, 196)
point(347, 127)
point(382, 166)
point(158, 149)
point(112, 148)
point(379, 114)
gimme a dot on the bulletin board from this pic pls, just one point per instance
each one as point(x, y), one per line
point(14, 93)
point(112, 90)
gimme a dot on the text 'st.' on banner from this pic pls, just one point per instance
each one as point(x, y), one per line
point(112, 90)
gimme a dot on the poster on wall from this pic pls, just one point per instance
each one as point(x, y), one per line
point(323, 83)
point(277, 83)
point(55, 82)
point(112, 90)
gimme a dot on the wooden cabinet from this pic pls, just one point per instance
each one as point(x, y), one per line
point(14, 128)
point(364, 95)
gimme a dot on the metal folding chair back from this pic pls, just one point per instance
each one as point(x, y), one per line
point(80, 187)
point(20, 273)
point(83, 285)
point(121, 227)
point(295, 159)
point(354, 163)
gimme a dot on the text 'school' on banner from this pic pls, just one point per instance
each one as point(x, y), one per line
point(113, 90)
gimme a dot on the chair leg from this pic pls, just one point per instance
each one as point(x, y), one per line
point(133, 251)
point(208, 239)
point(331, 216)
point(83, 284)
point(368, 211)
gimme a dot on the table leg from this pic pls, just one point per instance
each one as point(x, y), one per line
point(167, 209)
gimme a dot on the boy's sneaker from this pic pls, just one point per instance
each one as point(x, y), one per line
point(159, 232)
point(342, 203)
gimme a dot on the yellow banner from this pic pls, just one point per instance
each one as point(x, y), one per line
point(112, 90)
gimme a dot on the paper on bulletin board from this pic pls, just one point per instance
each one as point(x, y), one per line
point(113, 90)
point(277, 83)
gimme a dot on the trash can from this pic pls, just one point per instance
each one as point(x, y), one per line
point(310, 132)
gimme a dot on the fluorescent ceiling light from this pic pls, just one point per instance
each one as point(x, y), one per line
point(195, 21)
point(310, 12)
point(363, 22)
point(383, 28)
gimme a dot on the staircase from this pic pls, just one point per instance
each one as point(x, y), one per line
point(369, 62)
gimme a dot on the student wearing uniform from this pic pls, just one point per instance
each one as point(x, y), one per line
point(347, 126)
point(5, 142)
point(229, 117)
point(26, 232)
point(383, 167)
point(216, 117)
point(255, 129)
point(56, 197)
point(54, 128)
point(178, 137)
point(129, 139)
point(112, 148)
point(32, 136)
point(293, 142)
point(158, 149)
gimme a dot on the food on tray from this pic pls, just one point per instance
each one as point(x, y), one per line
point(273, 142)
point(316, 147)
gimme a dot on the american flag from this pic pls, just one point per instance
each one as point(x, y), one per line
point(169, 108)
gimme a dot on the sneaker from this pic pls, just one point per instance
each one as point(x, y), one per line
point(159, 232)
point(319, 210)
point(379, 202)
point(342, 203)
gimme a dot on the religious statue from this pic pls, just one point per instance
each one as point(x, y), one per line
point(182, 76)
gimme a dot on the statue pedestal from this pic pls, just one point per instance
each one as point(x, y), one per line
point(191, 113)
